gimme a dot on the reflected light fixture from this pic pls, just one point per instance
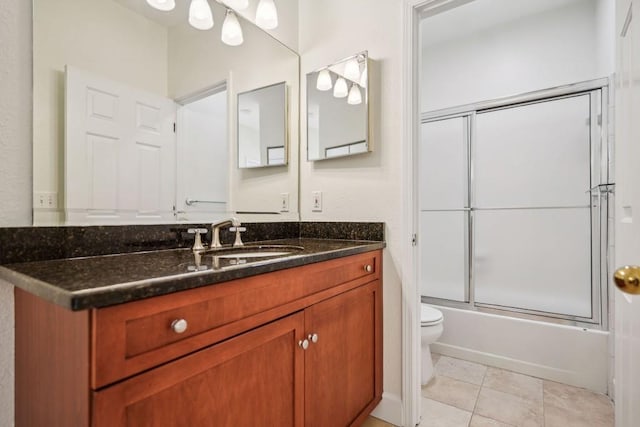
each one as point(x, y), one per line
point(200, 15)
point(352, 70)
point(355, 97)
point(340, 90)
point(267, 15)
point(231, 30)
point(324, 80)
point(237, 4)
point(201, 18)
point(163, 5)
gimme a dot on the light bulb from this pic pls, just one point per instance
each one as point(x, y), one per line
point(200, 15)
point(340, 90)
point(237, 4)
point(355, 97)
point(352, 70)
point(363, 78)
point(164, 5)
point(267, 15)
point(324, 80)
point(231, 30)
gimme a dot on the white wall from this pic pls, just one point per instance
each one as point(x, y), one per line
point(15, 169)
point(109, 45)
point(553, 48)
point(367, 187)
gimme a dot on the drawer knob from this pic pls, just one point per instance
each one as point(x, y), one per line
point(313, 338)
point(304, 344)
point(179, 326)
point(368, 268)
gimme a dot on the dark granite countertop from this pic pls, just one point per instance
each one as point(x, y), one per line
point(100, 281)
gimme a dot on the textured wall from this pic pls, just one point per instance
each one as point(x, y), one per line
point(15, 165)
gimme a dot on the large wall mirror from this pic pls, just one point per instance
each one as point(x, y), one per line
point(338, 109)
point(135, 117)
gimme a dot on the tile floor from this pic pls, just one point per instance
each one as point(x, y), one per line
point(466, 394)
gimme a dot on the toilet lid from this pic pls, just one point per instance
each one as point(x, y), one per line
point(429, 315)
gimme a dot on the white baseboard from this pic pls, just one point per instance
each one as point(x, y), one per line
point(390, 409)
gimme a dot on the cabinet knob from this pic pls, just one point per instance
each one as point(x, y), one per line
point(179, 326)
point(313, 338)
point(368, 268)
point(304, 344)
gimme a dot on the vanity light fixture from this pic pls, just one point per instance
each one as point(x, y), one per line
point(352, 69)
point(200, 15)
point(267, 15)
point(340, 90)
point(163, 5)
point(355, 97)
point(324, 80)
point(231, 29)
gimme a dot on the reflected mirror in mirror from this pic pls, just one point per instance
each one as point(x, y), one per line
point(338, 109)
point(134, 114)
point(262, 127)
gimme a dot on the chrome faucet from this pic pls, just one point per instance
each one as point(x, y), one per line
point(215, 230)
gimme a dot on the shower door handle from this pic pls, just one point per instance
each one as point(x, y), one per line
point(627, 279)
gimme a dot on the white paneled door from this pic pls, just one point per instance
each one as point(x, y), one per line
point(627, 242)
point(120, 152)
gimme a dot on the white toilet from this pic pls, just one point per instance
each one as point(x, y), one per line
point(430, 330)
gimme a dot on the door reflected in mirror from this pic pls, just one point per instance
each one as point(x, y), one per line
point(338, 109)
point(262, 127)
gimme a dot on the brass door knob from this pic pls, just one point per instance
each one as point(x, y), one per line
point(627, 279)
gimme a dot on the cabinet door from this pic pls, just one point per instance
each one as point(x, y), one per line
point(253, 379)
point(343, 369)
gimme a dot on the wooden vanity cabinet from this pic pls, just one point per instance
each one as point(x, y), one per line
point(310, 354)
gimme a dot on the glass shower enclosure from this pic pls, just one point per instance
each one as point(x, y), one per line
point(514, 210)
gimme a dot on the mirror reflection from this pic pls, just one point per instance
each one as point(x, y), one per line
point(135, 114)
point(338, 109)
point(262, 127)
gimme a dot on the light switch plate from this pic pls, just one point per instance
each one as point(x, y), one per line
point(284, 202)
point(316, 201)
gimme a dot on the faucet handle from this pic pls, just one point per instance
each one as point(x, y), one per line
point(238, 230)
point(197, 244)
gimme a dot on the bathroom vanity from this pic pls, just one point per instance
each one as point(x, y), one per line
point(291, 341)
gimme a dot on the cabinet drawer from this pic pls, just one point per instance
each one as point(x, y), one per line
point(346, 270)
point(134, 337)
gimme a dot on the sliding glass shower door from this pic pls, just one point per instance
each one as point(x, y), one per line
point(532, 228)
point(506, 207)
point(444, 209)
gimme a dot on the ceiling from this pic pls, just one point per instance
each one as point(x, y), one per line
point(478, 15)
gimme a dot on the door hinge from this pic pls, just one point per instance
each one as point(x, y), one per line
point(414, 240)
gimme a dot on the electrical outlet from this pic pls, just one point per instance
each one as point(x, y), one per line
point(45, 200)
point(284, 202)
point(316, 201)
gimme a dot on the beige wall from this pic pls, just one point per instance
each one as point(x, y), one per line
point(366, 187)
point(15, 169)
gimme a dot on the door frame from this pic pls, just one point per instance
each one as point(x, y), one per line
point(412, 12)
